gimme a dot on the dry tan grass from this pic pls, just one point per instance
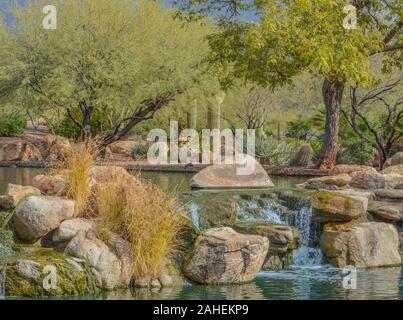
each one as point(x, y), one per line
point(143, 215)
point(75, 169)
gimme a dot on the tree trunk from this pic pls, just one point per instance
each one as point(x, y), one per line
point(332, 96)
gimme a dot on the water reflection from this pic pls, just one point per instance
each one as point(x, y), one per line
point(22, 176)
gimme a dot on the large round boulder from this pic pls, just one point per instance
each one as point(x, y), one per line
point(363, 245)
point(334, 206)
point(36, 216)
point(229, 176)
point(223, 256)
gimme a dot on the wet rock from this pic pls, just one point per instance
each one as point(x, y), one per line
point(339, 180)
point(106, 267)
point(51, 185)
point(283, 241)
point(333, 206)
point(217, 213)
point(14, 194)
point(388, 211)
point(371, 180)
point(36, 216)
point(363, 245)
point(222, 255)
point(225, 176)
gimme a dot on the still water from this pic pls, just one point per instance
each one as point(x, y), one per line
point(307, 279)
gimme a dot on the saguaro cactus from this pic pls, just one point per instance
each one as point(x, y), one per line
point(214, 111)
point(192, 115)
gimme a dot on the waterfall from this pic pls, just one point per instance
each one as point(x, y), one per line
point(194, 214)
point(309, 254)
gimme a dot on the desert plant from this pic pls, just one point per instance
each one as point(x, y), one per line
point(140, 150)
point(270, 151)
point(303, 157)
point(75, 169)
point(144, 216)
point(12, 124)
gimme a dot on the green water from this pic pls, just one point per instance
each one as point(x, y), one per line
point(315, 281)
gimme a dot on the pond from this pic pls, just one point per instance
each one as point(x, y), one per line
point(309, 277)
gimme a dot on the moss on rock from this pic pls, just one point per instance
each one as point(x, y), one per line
point(29, 271)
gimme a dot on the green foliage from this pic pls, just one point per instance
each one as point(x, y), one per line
point(105, 57)
point(140, 150)
point(301, 35)
point(270, 151)
point(299, 129)
point(12, 124)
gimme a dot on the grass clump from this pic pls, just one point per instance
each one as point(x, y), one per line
point(143, 215)
point(75, 168)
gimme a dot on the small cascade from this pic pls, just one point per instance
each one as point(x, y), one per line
point(309, 254)
point(252, 212)
point(194, 214)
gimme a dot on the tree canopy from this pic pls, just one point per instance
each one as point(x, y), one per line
point(125, 59)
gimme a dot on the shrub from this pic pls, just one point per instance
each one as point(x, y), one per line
point(270, 151)
point(143, 215)
point(140, 150)
point(12, 124)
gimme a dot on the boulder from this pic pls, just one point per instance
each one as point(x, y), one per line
point(223, 256)
point(350, 168)
point(363, 195)
point(283, 241)
point(68, 229)
point(18, 150)
point(51, 185)
point(35, 216)
point(333, 206)
point(14, 194)
point(397, 169)
point(218, 213)
point(123, 148)
point(45, 272)
point(389, 194)
point(396, 159)
point(389, 211)
point(105, 265)
point(339, 180)
point(107, 174)
point(226, 176)
point(122, 250)
point(364, 245)
point(372, 180)
point(57, 147)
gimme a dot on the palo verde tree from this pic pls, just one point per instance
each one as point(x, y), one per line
point(383, 129)
point(121, 59)
point(292, 36)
